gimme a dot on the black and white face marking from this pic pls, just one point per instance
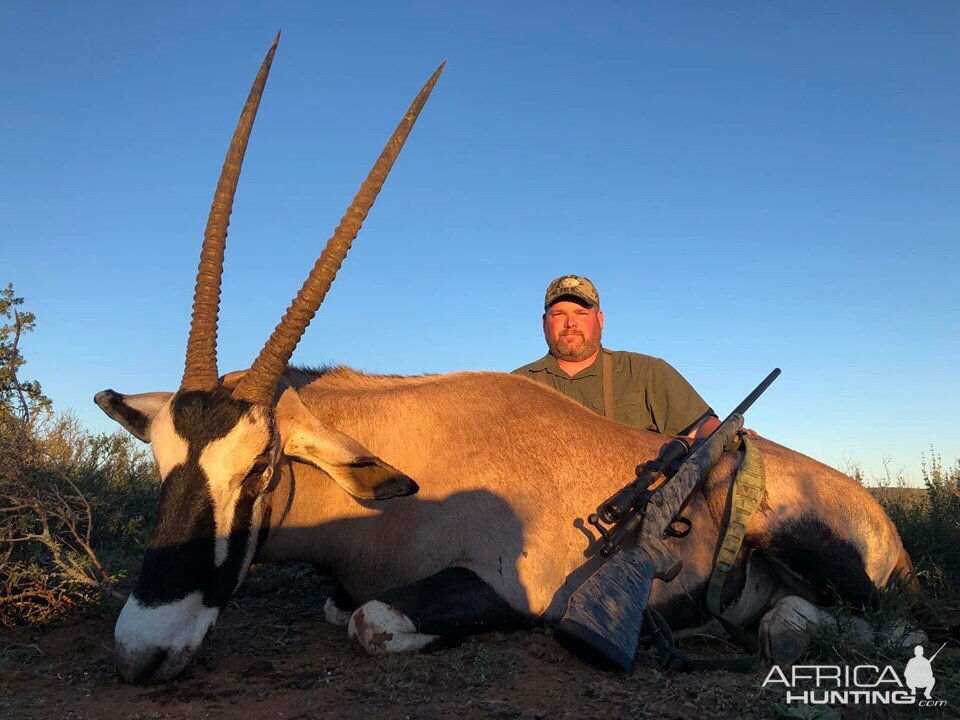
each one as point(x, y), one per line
point(216, 457)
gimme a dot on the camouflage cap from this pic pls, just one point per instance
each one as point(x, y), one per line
point(572, 285)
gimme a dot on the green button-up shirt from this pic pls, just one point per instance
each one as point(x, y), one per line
point(648, 393)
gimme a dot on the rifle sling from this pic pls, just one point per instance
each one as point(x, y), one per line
point(606, 365)
point(674, 660)
point(746, 490)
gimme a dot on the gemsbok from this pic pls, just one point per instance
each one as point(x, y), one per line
point(443, 504)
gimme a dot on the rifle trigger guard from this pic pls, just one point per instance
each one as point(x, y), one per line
point(683, 530)
point(594, 520)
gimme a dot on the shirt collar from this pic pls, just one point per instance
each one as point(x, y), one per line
point(549, 363)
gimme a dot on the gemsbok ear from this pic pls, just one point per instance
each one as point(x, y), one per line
point(134, 412)
point(350, 464)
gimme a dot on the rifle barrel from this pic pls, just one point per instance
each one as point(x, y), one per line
point(757, 392)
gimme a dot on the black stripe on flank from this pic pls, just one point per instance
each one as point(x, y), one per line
point(689, 609)
point(454, 602)
point(812, 549)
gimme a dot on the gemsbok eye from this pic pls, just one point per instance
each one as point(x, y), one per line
point(259, 467)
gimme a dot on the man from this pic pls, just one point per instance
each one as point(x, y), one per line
point(635, 389)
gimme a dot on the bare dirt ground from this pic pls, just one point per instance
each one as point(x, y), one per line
point(272, 656)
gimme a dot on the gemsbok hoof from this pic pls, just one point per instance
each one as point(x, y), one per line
point(383, 630)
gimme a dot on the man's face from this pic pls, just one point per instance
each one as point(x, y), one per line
point(572, 329)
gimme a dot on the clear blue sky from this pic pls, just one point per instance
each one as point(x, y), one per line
point(750, 185)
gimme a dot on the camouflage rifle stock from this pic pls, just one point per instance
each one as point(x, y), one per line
point(604, 615)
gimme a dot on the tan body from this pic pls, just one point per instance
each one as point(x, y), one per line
point(508, 471)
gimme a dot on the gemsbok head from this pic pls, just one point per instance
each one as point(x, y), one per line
point(217, 447)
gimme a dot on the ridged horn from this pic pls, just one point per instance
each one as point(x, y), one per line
point(200, 368)
point(260, 382)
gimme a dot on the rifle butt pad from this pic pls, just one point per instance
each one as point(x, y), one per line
point(605, 615)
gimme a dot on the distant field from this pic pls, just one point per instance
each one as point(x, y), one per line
point(902, 496)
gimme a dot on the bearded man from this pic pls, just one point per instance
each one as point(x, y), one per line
point(628, 387)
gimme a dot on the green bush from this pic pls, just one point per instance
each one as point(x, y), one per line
point(75, 507)
point(928, 521)
point(116, 474)
point(75, 514)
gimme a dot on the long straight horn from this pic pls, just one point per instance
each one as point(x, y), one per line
point(200, 370)
point(260, 382)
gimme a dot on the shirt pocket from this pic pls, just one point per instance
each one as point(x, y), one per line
point(631, 409)
point(629, 398)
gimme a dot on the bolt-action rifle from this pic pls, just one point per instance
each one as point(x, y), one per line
point(604, 615)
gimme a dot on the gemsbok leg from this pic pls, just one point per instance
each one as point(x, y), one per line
point(438, 610)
